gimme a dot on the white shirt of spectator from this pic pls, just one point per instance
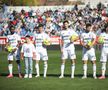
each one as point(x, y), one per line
point(28, 49)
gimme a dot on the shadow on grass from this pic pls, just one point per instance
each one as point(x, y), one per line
point(55, 75)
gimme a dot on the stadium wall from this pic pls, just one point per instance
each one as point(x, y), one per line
point(40, 8)
point(94, 3)
point(55, 41)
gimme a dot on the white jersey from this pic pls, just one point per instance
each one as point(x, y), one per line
point(87, 37)
point(28, 49)
point(105, 44)
point(65, 37)
point(13, 40)
point(41, 52)
point(68, 46)
point(88, 53)
point(39, 37)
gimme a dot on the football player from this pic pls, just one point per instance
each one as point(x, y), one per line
point(104, 51)
point(88, 39)
point(67, 48)
point(14, 40)
point(41, 50)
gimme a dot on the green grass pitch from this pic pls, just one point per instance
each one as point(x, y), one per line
point(52, 82)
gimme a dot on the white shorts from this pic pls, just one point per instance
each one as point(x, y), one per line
point(15, 55)
point(104, 56)
point(41, 54)
point(89, 54)
point(68, 53)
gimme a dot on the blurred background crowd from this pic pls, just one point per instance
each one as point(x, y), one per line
point(26, 22)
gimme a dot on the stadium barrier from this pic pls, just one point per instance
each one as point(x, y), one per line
point(55, 40)
point(41, 9)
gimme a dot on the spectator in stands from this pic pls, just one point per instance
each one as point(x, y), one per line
point(25, 21)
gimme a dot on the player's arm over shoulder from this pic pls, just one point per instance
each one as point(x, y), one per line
point(82, 39)
point(94, 39)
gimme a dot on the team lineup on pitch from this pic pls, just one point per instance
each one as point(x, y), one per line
point(53, 44)
point(29, 50)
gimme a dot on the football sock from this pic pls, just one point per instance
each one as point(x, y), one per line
point(37, 68)
point(45, 68)
point(72, 70)
point(62, 69)
point(10, 67)
point(103, 69)
point(94, 69)
point(85, 69)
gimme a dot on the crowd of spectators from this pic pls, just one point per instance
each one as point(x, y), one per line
point(26, 23)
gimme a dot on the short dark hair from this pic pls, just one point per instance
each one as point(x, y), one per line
point(27, 36)
point(12, 28)
point(106, 25)
point(40, 25)
point(66, 21)
point(88, 25)
point(104, 28)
